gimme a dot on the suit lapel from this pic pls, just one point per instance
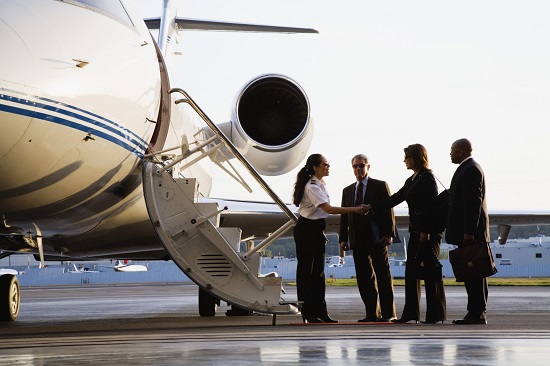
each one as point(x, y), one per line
point(369, 192)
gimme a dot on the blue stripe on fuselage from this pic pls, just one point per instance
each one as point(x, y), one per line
point(71, 124)
point(131, 141)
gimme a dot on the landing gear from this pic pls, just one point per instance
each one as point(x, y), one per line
point(9, 297)
point(207, 303)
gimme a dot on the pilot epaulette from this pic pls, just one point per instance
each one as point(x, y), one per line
point(313, 181)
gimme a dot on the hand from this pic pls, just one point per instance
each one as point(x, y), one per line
point(386, 240)
point(365, 209)
point(344, 246)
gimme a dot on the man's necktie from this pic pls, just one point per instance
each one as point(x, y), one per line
point(359, 194)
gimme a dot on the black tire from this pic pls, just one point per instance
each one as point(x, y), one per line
point(10, 297)
point(207, 303)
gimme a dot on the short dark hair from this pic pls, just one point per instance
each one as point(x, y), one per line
point(360, 156)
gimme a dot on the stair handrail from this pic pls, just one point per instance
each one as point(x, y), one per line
point(188, 100)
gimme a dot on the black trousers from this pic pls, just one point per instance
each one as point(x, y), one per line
point(372, 268)
point(436, 308)
point(478, 292)
point(310, 272)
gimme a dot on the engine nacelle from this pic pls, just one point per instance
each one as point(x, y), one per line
point(271, 124)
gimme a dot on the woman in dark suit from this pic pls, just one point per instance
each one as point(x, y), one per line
point(420, 192)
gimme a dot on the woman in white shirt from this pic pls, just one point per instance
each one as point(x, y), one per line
point(312, 198)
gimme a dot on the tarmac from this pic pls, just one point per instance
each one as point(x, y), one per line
point(158, 324)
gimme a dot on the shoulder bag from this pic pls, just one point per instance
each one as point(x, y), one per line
point(426, 263)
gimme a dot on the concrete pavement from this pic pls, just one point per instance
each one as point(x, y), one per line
point(158, 324)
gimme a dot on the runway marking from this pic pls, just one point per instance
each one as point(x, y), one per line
point(346, 323)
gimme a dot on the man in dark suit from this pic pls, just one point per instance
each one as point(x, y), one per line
point(368, 237)
point(468, 222)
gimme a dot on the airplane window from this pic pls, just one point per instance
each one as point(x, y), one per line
point(110, 8)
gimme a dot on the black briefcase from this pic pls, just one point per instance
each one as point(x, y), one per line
point(473, 261)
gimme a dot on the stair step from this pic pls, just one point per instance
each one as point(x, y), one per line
point(207, 253)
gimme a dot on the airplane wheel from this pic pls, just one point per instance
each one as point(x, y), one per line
point(9, 298)
point(207, 303)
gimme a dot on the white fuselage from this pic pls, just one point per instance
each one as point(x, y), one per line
point(80, 94)
point(84, 95)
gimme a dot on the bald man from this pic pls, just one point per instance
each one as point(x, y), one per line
point(468, 222)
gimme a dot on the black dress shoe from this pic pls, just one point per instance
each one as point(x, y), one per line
point(404, 320)
point(470, 321)
point(368, 319)
point(326, 319)
point(431, 321)
point(311, 319)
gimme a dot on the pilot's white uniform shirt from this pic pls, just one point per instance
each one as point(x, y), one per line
point(315, 194)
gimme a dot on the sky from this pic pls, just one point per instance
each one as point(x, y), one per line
point(382, 75)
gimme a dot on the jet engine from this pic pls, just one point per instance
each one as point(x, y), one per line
point(271, 124)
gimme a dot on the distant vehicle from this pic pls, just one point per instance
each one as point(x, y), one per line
point(79, 269)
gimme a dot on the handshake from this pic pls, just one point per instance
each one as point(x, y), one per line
point(364, 209)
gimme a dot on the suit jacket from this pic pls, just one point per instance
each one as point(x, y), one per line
point(467, 205)
point(384, 220)
point(421, 195)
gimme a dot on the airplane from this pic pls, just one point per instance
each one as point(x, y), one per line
point(103, 155)
point(120, 266)
point(124, 266)
point(89, 115)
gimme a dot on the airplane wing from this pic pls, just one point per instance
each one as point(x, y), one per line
point(521, 218)
point(258, 219)
point(209, 25)
point(506, 219)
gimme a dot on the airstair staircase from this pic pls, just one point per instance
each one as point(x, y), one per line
point(191, 234)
